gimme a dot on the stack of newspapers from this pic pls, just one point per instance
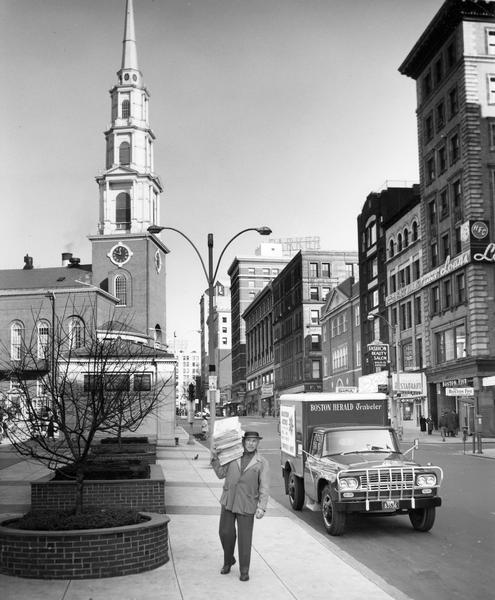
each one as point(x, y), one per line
point(227, 440)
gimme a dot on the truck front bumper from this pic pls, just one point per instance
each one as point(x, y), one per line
point(350, 506)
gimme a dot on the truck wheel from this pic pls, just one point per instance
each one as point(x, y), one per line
point(296, 491)
point(333, 520)
point(422, 519)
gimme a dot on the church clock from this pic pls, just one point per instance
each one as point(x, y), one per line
point(120, 254)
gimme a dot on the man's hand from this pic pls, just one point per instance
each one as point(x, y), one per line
point(259, 513)
point(213, 453)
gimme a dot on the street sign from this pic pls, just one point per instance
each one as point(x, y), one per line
point(349, 389)
point(378, 353)
point(212, 382)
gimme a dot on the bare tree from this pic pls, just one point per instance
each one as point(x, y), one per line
point(79, 383)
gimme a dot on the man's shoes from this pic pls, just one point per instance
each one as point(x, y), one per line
point(226, 568)
point(244, 577)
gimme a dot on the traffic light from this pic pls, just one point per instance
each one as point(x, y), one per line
point(191, 392)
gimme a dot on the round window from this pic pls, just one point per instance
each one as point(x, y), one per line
point(126, 76)
point(134, 77)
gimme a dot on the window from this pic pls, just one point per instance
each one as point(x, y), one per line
point(393, 283)
point(416, 269)
point(313, 269)
point(438, 70)
point(426, 85)
point(454, 149)
point(372, 299)
point(458, 242)
point(417, 310)
point(126, 109)
point(142, 382)
point(391, 248)
point(123, 211)
point(121, 289)
point(419, 353)
point(414, 231)
point(444, 203)
point(224, 319)
point(451, 344)
point(451, 54)
point(430, 170)
point(251, 284)
point(314, 317)
point(251, 270)
point(447, 293)
point(406, 237)
point(442, 159)
point(373, 268)
point(370, 234)
point(491, 89)
point(492, 135)
point(357, 315)
point(432, 212)
point(435, 300)
point(393, 317)
point(445, 246)
point(224, 341)
point(457, 199)
point(76, 333)
point(434, 254)
point(313, 293)
point(266, 271)
point(275, 271)
point(315, 342)
point(399, 242)
point(325, 269)
point(125, 153)
point(117, 383)
point(440, 116)
point(324, 292)
point(453, 102)
point(429, 127)
point(315, 369)
point(16, 340)
point(224, 329)
point(461, 288)
point(43, 339)
point(358, 354)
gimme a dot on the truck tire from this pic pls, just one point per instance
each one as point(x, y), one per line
point(333, 520)
point(296, 491)
point(422, 519)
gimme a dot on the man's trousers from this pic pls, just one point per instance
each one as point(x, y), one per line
point(227, 532)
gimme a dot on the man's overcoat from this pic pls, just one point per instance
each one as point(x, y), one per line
point(244, 492)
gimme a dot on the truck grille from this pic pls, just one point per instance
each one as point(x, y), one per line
point(387, 479)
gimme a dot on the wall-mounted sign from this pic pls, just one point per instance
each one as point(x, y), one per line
point(346, 389)
point(378, 353)
point(266, 390)
point(459, 391)
point(450, 265)
point(458, 382)
point(477, 233)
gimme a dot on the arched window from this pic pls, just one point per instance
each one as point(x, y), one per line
point(123, 211)
point(406, 237)
point(414, 231)
point(126, 109)
point(76, 333)
point(43, 339)
point(392, 248)
point(121, 289)
point(125, 153)
point(16, 340)
point(399, 242)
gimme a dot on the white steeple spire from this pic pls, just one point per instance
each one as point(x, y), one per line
point(129, 50)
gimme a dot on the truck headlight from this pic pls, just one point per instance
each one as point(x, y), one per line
point(426, 480)
point(348, 483)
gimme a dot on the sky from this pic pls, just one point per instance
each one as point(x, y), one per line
point(285, 113)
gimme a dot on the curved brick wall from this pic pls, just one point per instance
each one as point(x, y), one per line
point(84, 554)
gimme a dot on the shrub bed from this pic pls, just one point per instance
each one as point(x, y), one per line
point(86, 553)
point(91, 517)
point(109, 469)
point(125, 440)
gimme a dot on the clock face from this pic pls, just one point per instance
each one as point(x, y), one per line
point(158, 261)
point(120, 254)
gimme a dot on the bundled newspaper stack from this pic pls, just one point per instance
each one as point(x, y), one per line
point(227, 439)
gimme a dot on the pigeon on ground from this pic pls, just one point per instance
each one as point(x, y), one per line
point(196, 457)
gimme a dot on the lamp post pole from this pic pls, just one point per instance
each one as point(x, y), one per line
point(211, 274)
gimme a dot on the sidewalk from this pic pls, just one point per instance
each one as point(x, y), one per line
point(290, 560)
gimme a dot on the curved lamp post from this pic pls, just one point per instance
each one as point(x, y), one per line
point(210, 274)
point(395, 401)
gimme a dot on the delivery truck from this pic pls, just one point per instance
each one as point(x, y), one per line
point(340, 456)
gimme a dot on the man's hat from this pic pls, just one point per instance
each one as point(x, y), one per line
point(252, 434)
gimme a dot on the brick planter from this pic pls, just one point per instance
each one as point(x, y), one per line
point(140, 494)
point(143, 452)
point(86, 553)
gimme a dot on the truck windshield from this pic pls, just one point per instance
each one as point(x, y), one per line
point(349, 441)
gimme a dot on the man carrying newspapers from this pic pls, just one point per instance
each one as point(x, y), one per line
point(235, 458)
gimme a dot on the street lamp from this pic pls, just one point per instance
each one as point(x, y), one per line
point(210, 274)
point(395, 411)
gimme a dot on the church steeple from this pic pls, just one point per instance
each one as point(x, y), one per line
point(129, 188)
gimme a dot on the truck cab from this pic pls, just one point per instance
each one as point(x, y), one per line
point(352, 463)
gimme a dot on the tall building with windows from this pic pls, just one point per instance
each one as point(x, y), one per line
point(453, 65)
point(299, 294)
